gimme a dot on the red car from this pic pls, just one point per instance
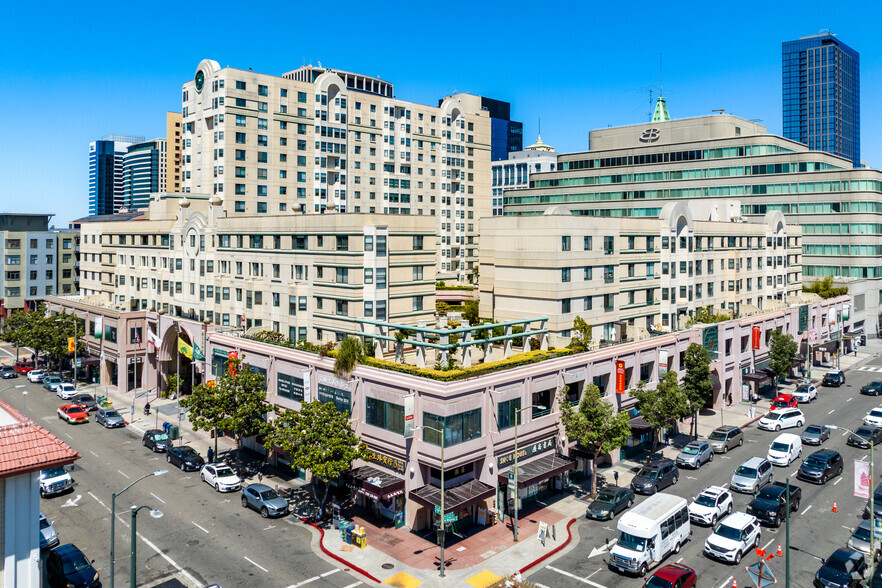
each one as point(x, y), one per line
point(672, 576)
point(784, 401)
point(23, 367)
point(73, 413)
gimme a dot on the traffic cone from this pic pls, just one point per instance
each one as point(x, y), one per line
point(779, 554)
point(734, 583)
point(834, 507)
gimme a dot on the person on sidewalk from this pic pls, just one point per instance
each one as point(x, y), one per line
point(210, 455)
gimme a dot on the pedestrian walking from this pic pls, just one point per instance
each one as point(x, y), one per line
point(616, 476)
point(210, 455)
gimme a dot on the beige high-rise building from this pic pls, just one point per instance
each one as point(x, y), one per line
point(317, 140)
point(173, 152)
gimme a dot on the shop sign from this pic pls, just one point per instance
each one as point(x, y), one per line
point(408, 416)
point(757, 334)
point(528, 451)
point(710, 338)
point(620, 377)
point(662, 363)
point(393, 463)
point(803, 318)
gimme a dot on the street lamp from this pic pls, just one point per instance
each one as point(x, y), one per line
point(518, 412)
point(872, 504)
point(443, 529)
point(75, 345)
point(113, 516)
point(156, 514)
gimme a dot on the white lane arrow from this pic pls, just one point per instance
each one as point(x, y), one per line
point(598, 550)
point(72, 501)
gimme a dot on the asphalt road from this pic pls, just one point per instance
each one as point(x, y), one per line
point(815, 532)
point(204, 536)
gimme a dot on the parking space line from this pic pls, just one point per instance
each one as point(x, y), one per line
point(124, 474)
point(769, 543)
point(574, 577)
point(200, 527)
point(93, 453)
point(832, 411)
point(257, 565)
point(328, 573)
point(837, 481)
point(864, 458)
point(360, 583)
point(157, 497)
point(726, 583)
point(808, 508)
point(850, 399)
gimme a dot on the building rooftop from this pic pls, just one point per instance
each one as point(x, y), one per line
point(26, 447)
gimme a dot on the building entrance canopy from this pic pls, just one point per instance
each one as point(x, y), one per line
point(375, 484)
point(455, 498)
point(540, 469)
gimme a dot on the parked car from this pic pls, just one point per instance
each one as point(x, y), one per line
point(695, 454)
point(724, 438)
point(872, 389)
point(221, 477)
point(820, 466)
point(733, 538)
point(67, 567)
point(23, 366)
point(66, 391)
point(770, 504)
point(672, 575)
point(265, 500)
point(751, 476)
point(48, 536)
point(785, 449)
point(833, 378)
point(843, 569)
point(708, 507)
point(184, 457)
point(73, 414)
point(784, 401)
point(655, 476)
point(609, 502)
point(781, 419)
point(863, 436)
point(860, 540)
point(815, 434)
point(874, 418)
point(52, 382)
point(806, 392)
point(156, 440)
point(55, 481)
point(87, 401)
point(36, 376)
point(7, 372)
point(109, 418)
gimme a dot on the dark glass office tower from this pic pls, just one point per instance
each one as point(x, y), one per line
point(506, 135)
point(822, 95)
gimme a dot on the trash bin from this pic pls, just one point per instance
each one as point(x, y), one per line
point(174, 432)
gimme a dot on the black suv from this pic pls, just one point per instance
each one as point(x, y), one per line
point(67, 567)
point(834, 378)
point(655, 477)
point(820, 466)
point(844, 568)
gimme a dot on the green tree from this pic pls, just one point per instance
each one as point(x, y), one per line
point(470, 311)
point(317, 438)
point(661, 405)
point(782, 348)
point(582, 338)
point(442, 307)
point(697, 385)
point(51, 334)
point(824, 288)
point(348, 356)
point(593, 425)
point(17, 329)
point(204, 410)
point(172, 385)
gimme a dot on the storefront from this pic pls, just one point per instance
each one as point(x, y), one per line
point(537, 479)
point(378, 491)
point(462, 504)
point(639, 441)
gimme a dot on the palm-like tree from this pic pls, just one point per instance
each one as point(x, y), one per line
point(348, 357)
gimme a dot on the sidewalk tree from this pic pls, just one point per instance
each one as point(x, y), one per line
point(661, 405)
point(204, 410)
point(52, 333)
point(593, 425)
point(317, 438)
point(697, 385)
point(17, 329)
point(782, 348)
point(172, 385)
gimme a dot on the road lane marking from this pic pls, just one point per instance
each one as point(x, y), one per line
point(832, 411)
point(726, 583)
point(328, 573)
point(157, 497)
point(837, 481)
point(793, 475)
point(864, 458)
point(850, 399)
point(678, 561)
point(200, 527)
point(124, 474)
point(769, 543)
point(68, 436)
point(574, 577)
point(268, 528)
point(258, 565)
point(359, 584)
point(93, 453)
point(808, 508)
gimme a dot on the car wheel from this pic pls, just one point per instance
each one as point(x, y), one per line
point(737, 557)
point(244, 502)
point(795, 506)
point(630, 502)
point(824, 479)
point(677, 547)
point(840, 471)
point(168, 458)
point(711, 458)
point(216, 487)
point(777, 427)
point(713, 520)
point(264, 512)
point(729, 510)
point(777, 523)
point(756, 541)
point(798, 424)
point(182, 467)
point(725, 449)
point(674, 481)
point(642, 571)
point(741, 442)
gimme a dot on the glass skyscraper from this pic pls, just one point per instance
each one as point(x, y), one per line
point(822, 95)
point(106, 156)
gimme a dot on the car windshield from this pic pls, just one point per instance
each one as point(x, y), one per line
point(780, 403)
point(839, 564)
point(863, 533)
point(864, 432)
point(160, 437)
point(77, 562)
point(111, 413)
point(189, 452)
point(728, 532)
point(779, 447)
point(656, 582)
point(746, 472)
point(876, 412)
point(44, 523)
point(815, 462)
point(690, 450)
point(706, 500)
point(717, 436)
point(53, 473)
point(802, 388)
point(648, 473)
point(631, 542)
point(774, 416)
point(224, 472)
point(814, 429)
point(269, 495)
point(606, 497)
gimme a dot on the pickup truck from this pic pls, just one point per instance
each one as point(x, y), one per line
point(770, 504)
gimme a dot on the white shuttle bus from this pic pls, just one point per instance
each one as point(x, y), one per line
point(650, 532)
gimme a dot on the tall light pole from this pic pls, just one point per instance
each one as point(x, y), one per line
point(516, 492)
point(156, 514)
point(113, 516)
point(443, 529)
point(872, 508)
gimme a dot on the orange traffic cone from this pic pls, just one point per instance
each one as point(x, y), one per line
point(834, 507)
point(734, 583)
point(779, 554)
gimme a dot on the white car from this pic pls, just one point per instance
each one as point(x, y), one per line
point(66, 390)
point(782, 419)
point(713, 503)
point(805, 393)
point(36, 376)
point(220, 477)
point(785, 449)
point(733, 538)
point(874, 418)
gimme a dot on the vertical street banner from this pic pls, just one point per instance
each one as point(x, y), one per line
point(230, 368)
point(99, 326)
point(757, 335)
point(662, 363)
point(408, 416)
point(620, 377)
point(71, 344)
point(862, 479)
point(307, 386)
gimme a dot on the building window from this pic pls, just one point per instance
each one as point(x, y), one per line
point(565, 306)
point(507, 412)
point(384, 415)
point(565, 274)
point(457, 428)
point(417, 303)
point(565, 243)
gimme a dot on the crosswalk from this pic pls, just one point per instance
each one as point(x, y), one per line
point(870, 368)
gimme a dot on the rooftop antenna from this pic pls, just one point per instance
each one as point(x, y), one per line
point(721, 111)
point(651, 105)
point(661, 85)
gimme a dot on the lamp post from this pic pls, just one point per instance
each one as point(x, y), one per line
point(872, 508)
point(443, 529)
point(156, 514)
point(75, 345)
point(113, 516)
point(518, 412)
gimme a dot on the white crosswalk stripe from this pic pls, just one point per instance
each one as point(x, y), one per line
point(870, 368)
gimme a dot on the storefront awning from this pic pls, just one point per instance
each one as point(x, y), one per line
point(638, 424)
point(90, 361)
point(455, 498)
point(828, 347)
point(374, 483)
point(757, 377)
point(540, 469)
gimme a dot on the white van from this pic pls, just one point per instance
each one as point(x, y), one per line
point(650, 532)
point(785, 449)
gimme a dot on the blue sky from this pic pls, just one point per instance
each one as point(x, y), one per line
point(73, 72)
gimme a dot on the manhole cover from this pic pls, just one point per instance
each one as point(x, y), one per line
point(387, 566)
point(192, 543)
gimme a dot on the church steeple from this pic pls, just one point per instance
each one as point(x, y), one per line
point(661, 111)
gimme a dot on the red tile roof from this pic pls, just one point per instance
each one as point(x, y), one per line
point(26, 447)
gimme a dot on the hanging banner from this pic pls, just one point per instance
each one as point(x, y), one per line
point(662, 363)
point(620, 377)
point(185, 349)
point(845, 310)
point(71, 344)
point(803, 318)
point(757, 333)
point(197, 353)
point(862, 479)
point(99, 326)
point(710, 338)
point(230, 367)
point(307, 387)
point(408, 416)
point(813, 336)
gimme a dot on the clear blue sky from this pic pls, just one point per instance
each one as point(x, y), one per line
point(73, 72)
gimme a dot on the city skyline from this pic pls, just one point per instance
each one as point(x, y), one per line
point(545, 75)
